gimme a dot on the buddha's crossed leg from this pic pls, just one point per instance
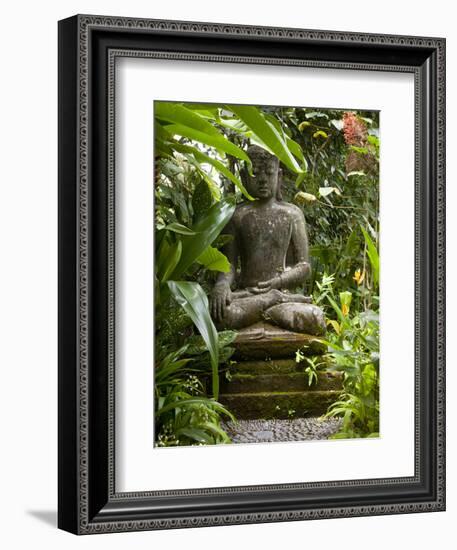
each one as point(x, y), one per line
point(247, 308)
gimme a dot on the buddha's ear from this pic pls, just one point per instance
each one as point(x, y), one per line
point(244, 173)
point(279, 188)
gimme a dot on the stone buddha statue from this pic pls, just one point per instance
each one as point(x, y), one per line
point(269, 259)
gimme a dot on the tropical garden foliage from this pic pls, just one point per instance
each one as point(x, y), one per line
point(329, 164)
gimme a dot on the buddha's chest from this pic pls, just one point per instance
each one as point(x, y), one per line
point(258, 231)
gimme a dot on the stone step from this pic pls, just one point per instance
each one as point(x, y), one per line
point(293, 381)
point(267, 405)
point(273, 366)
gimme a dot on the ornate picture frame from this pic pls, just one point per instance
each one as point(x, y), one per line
point(88, 500)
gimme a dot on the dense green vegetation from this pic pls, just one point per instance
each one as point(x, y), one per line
point(329, 165)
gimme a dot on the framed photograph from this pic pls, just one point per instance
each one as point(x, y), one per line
point(251, 274)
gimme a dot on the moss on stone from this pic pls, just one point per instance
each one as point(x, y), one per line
point(293, 381)
point(267, 405)
point(272, 366)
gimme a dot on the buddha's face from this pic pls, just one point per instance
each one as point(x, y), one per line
point(263, 184)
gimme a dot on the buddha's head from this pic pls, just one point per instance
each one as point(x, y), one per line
point(265, 181)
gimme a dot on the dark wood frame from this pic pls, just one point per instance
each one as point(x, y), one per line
point(88, 46)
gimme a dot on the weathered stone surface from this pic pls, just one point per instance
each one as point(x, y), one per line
point(269, 405)
point(265, 341)
point(295, 381)
point(304, 318)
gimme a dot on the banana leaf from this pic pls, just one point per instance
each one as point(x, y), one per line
point(192, 298)
point(214, 260)
point(178, 114)
point(206, 229)
point(267, 133)
point(221, 143)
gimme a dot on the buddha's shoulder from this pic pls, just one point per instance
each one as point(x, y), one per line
point(241, 210)
point(285, 208)
point(289, 209)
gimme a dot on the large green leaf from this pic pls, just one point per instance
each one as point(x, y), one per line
point(234, 124)
point(192, 298)
point(220, 167)
point(267, 133)
point(207, 229)
point(161, 133)
point(176, 227)
point(172, 260)
point(162, 255)
point(178, 114)
point(222, 144)
point(213, 259)
point(295, 148)
point(204, 108)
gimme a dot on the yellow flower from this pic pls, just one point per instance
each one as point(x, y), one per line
point(359, 276)
point(344, 309)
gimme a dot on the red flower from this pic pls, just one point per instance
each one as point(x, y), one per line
point(355, 130)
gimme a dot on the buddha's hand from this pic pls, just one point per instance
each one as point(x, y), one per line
point(266, 286)
point(220, 298)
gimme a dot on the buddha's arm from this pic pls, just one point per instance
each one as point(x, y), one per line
point(221, 295)
point(301, 269)
point(231, 252)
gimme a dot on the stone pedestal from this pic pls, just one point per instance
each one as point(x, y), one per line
point(266, 381)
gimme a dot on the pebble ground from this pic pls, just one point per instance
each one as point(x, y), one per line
point(295, 429)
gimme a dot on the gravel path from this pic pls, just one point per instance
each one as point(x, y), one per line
point(296, 429)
